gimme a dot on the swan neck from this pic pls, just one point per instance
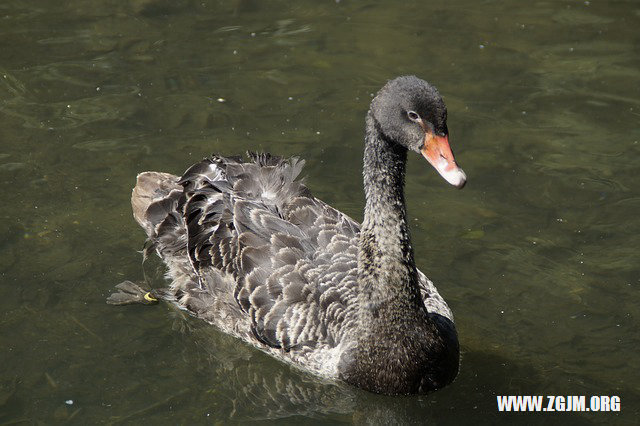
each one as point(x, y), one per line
point(386, 268)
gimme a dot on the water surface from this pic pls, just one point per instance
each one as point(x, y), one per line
point(538, 256)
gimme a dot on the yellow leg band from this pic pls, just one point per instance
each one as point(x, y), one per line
point(149, 297)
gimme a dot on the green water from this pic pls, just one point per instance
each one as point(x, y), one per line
point(538, 256)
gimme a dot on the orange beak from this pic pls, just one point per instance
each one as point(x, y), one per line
point(438, 153)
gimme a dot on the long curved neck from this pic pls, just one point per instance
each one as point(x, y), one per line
point(386, 271)
point(398, 348)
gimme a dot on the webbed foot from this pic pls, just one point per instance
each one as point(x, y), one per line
point(130, 293)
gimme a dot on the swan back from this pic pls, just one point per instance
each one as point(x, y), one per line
point(250, 250)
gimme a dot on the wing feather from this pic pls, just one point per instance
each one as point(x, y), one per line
point(278, 262)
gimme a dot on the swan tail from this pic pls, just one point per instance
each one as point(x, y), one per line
point(153, 199)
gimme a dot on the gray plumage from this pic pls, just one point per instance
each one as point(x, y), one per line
point(249, 249)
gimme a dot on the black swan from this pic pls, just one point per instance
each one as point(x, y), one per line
point(250, 250)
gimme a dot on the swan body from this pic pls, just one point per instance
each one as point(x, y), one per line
point(250, 250)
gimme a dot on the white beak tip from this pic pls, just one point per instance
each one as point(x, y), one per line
point(455, 177)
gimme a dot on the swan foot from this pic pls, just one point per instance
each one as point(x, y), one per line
point(130, 293)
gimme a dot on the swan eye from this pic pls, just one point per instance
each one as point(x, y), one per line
point(413, 116)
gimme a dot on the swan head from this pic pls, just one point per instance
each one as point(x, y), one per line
point(410, 112)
